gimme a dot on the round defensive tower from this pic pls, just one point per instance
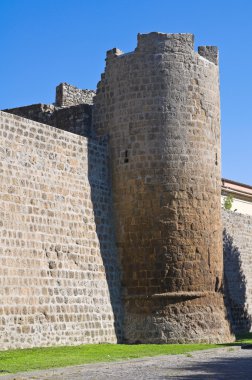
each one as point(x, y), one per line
point(159, 106)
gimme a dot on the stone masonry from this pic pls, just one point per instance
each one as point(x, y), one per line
point(110, 218)
point(160, 107)
point(68, 113)
point(237, 244)
point(67, 95)
point(58, 269)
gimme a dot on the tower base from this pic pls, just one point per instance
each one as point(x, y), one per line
point(186, 317)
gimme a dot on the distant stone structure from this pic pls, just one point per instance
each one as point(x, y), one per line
point(71, 112)
point(113, 233)
point(67, 95)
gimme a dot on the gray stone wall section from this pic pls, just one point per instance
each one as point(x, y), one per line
point(237, 245)
point(75, 119)
point(67, 95)
point(41, 113)
point(56, 285)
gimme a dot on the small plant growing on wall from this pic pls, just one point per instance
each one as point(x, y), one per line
point(228, 202)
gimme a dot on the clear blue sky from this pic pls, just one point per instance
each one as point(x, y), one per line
point(45, 42)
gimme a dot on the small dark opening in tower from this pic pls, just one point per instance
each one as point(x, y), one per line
point(216, 159)
point(217, 283)
point(126, 158)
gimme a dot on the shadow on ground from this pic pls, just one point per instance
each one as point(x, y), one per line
point(217, 369)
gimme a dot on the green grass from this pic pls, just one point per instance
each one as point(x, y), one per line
point(244, 338)
point(13, 361)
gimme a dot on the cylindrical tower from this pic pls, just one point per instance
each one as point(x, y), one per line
point(159, 105)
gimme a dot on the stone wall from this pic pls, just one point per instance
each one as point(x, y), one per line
point(41, 113)
point(67, 95)
point(157, 126)
point(76, 119)
point(237, 244)
point(59, 281)
point(160, 107)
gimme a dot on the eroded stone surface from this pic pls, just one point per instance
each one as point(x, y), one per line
point(67, 95)
point(157, 113)
point(160, 107)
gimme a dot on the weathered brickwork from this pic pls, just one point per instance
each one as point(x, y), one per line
point(58, 269)
point(41, 113)
point(67, 95)
point(237, 244)
point(76, 119)
point(113, 232)
point(160, 107)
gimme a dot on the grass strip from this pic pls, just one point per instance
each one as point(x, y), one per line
point(14, 361)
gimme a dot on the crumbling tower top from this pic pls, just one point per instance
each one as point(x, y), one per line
point(156, 42)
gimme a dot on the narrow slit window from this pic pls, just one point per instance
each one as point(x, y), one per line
point(126, 158)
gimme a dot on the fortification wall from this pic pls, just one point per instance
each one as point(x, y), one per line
point(67, 95)
point(160, 107)
point(237, 246)
point(156, 115)
point(59, 281)
point(42, 113)
point(76, 119)
point(73, 112)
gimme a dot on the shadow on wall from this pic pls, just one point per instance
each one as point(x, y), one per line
point(102, 205)
point(235, 287)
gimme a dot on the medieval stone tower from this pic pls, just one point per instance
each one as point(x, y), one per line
point(159, 106)
point(134, 176)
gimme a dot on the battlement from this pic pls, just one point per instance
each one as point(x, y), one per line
point(156, 42)
point(211, 53)
point(160, 42)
